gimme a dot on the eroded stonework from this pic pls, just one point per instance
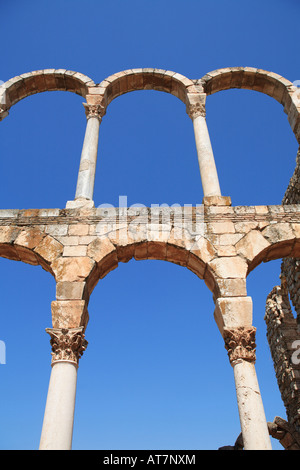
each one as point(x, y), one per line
point(67, 344)
point(221, 244)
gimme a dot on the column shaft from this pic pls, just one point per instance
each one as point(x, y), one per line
point(59, 413)
point(68, 346)
point(251, 411)
point(208, 170)
point(87, 169)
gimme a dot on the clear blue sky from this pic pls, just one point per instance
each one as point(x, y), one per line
point(155, 374)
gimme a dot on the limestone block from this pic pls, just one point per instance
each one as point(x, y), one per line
point(217, 201)
point(141, 251)
point(69, 313)
point(108, 264)
point(233, 312)
point(296, 229)
point(26, 255)
point(226, 250)
point(85, 240)
point(204, 250)
point(70, 290)
point(100, 248)
point(78, 229)
point(282, 236)
point(80, 203)
point(261, 209)
point(8, 234)
point(49, 249)
point(281, 250)
point(230, 238)
point(8, 251)
point(278, 232)
point(244, 227)
point(241, 210)
point(72, 269)
point(57, 230)
point(68, 240)
point(177, 255)
point(222, 227)
point(232, 287)
point(229, 267)
point(177, 237)
point(212, 210)
point(9, 213)
point(157, 250)
point(75, 250)
point(30, 237)
point(195, 265)
point(251, 245)
point(209, 280)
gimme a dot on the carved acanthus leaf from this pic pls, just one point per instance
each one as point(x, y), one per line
point(67, 344)
point(240, 344)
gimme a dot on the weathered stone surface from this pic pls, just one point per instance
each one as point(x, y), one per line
point(204, 250)
point(141, 251)
point(232, 287)
point(157, 250)
point(78, 229)
point(275, 233)
point(233, 312)
point(236, 239)
point(176, 255)
point(49, 249)
point(72, 269)
point(222, 227)
point(196, 265)
point(29, 238)
point(217, 201)
point(251, 245)
point(70, 290)
point(229, 267)
point(26, 255)
point(69, 313)
point(8, 234)
point(99, 248)
point(75, 250)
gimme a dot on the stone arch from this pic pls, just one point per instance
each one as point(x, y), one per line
point(107, 254)
point(275, 241)
point(146, 79)
point(269, 83)
point(30, 245)
point(19, 87)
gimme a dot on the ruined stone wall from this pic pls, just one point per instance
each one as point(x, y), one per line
point(282, 333)
point(283, 330)
point(291, 266)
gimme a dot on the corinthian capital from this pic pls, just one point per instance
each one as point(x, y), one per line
point(94, 110)
point(196, 109)
point(240, 344)
point(68, 344)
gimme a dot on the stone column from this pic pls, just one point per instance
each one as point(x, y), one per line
point(67, 347)
point(208, 170)
point(87, 169)
point(240, 344)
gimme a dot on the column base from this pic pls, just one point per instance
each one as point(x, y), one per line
point(79, 203)
point(217, 201)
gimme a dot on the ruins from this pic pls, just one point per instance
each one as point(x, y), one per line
point(80, 244)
